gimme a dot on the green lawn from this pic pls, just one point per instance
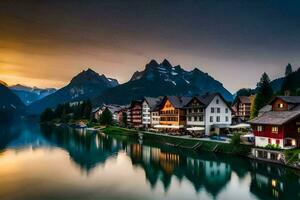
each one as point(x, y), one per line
point(119, 131)
point(292, 156)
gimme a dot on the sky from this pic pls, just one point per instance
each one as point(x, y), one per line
point(45, 43)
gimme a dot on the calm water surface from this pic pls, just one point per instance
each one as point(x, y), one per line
point(53, 163)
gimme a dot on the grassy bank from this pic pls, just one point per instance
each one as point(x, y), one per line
point(119, 131)
point(187, 143)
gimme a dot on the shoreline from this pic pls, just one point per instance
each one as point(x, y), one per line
point(184, 142)
point(196, 144)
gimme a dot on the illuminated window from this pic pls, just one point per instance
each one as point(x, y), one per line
point(298, 129)
point(259, 128)
point(280, 105)
point(274, 129)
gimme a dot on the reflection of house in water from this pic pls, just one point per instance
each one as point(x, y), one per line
point(273, 182)
point(209, 173)
point(213, 175)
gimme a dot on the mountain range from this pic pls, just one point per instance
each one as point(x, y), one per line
point(83, 86)
point(10, 104)
point(29, 95)
point(159, 79)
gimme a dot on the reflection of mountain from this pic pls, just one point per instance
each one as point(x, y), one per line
point(20, 135)
point(86, 149)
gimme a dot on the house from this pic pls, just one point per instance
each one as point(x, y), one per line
point(280, 125)
point(114, 109)
point(136, 113)
point(209, 113)
point(128, 114)
point(172, 113)
point(150, 113)
point(242, 107)
point(195, 115)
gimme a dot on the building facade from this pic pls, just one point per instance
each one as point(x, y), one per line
point(136, 113)
point(242, 107)
point(172, 113)
point(218, 113)
point(150, 111)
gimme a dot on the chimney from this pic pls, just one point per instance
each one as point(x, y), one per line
point(287, 93)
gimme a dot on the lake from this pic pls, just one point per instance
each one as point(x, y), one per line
point(55, 163)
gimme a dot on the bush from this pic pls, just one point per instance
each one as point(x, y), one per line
point(272, 146)
point(236, 139)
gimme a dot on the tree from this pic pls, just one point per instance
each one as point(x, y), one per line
point(47, 115)
point(87, 110)
point(105, 118)
point(245, 92)
point(58, 111)
point(263, 96)
point(288, 69)
point(124, 119)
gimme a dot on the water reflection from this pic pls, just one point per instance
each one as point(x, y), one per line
point(218, 176)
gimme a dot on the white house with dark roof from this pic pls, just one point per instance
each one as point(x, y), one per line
point(211, 112)
point(150, 112)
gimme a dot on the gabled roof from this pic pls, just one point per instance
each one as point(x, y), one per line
point(207, 99)
point(153, 103)
point(199, 99)
point(113, 108)
point(288, 99)
point(275, 117)
point(244, 99)
point(177, 102)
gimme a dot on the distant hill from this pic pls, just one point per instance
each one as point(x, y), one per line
point(276, 84)
point(29, 95)
point(10, 104)
point(163, 79)
point(85, 85)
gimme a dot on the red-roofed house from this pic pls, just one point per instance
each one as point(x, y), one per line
point(280, 125)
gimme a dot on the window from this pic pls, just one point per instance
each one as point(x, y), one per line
point(201, 119)
point(280, 105)
point(211, 119)
point(218, 110)
point(226, 119)
point(217, 101)
point(218, 118)
point(189, 119)
point(226, 110)
point(274, 129)
point(259, 128)
point(195, 119)
point(212, 110)
point(298, 129)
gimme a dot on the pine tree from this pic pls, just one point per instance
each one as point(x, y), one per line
point(105, 118)
point(124, 119)
point(288, 69)
point(47, 115)
point(87, 109)
point(263, 96)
